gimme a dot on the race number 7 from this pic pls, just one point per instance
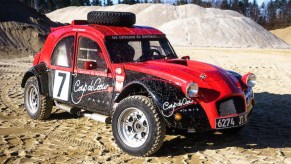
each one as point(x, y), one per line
point(61, 85)
point(63, 75)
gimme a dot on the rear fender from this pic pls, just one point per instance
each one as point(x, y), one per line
point(41, 72)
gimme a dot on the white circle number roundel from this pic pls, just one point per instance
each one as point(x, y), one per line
point(61, 85)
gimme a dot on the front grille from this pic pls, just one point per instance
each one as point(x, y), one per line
point(232, 105)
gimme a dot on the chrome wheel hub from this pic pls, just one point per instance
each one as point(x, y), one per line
point(32, 99)
point(133, 127)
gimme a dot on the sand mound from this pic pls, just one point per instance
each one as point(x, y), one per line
point(284, 34)
point(22, 29)
point(189, 25)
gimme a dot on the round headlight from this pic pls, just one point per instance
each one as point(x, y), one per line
point(251, 80)
point(192, 89)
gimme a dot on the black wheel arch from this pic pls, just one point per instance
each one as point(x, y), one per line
point(40, 71)
point(159, 90)
point(140, 88)
point(131, 88)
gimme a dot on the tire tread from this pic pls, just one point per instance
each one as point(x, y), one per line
point(161, 126)
point(111, 18)
point(46, 102)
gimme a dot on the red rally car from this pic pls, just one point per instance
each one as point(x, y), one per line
point(131, 74)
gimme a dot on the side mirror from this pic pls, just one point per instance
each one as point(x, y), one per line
point(186, 57)
point(90, 65)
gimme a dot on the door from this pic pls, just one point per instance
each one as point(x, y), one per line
point(61, 68)
point(91, 84)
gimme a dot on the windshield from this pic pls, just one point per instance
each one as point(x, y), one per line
point(122, 51)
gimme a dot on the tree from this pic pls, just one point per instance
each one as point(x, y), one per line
point(96, 3)
point(30, 3)
point(181, 2)
point(289, 12)
point(51, 6)
point(62, 3)
point(263, 13)
point(87, 3)
point(80, 2)
point(108, 3)
point(41, 6)
point(245, 5)
point(224, 5)
point(271, 10)
point(206, 4)
point(241, 7)
point(254, 12)
point(130, 2)
point(235, 5)
point(282, 9)
point(157, 1)
point(197, 2)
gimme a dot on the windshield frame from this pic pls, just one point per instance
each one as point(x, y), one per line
point(163, 41)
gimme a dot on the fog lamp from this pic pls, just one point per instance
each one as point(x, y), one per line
point(178, 116)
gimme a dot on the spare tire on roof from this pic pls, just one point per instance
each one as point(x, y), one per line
point(111, 18)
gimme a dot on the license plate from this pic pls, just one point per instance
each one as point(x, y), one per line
point(229, 122)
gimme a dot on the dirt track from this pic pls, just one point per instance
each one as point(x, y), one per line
point(67, 138)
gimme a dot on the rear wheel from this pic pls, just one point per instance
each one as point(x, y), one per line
point(137, 127)
point(38, 107)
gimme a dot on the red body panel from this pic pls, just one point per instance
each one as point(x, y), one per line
point(216, 84)
point(98, 32)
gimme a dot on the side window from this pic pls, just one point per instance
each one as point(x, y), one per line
point(155, 45)
point(63, 52)
point(137, 47)
point(89, 53)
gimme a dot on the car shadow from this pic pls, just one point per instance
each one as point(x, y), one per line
point(269, 127)
point(62, 115)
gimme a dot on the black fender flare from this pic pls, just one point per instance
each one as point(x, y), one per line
point(156, 88)
point(41, 72)
point(129, 88)
point(162, 92)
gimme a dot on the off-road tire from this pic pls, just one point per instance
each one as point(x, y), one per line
point(157, 127)
point(44, 103)
point(111, 18)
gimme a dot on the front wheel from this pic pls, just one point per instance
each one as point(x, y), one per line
point(38, 107)
point(137, 127)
